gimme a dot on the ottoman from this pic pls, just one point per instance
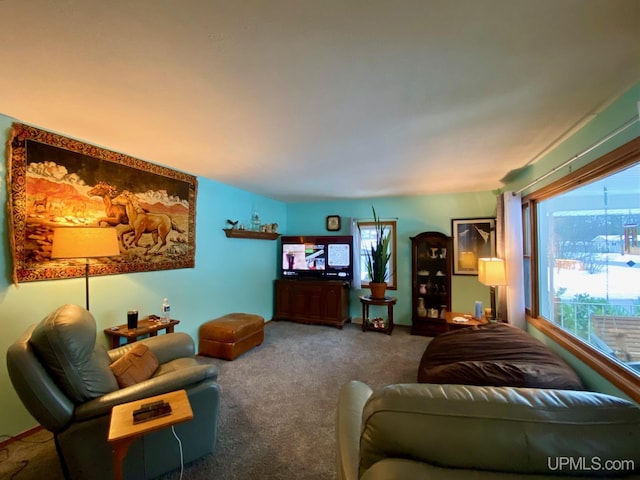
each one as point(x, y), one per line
point(231, 335)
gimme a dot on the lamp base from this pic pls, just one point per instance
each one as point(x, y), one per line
point(86, 276)
point(492, 316)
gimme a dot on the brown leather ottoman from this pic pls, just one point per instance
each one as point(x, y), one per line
point(231, 335)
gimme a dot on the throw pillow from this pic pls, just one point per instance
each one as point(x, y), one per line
point(135, 366)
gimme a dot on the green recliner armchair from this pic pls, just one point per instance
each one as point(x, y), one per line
point(63, 378)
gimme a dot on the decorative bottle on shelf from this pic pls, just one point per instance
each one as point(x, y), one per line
point(166, 312)
point(255, 220)
point(422, 310)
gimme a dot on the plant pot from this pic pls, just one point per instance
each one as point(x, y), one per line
point(377, 289)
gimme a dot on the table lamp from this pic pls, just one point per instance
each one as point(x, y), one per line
point(85, 242)
point(491, 272)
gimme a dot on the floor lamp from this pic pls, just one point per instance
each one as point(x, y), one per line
point(85, 242)
point(491, 272)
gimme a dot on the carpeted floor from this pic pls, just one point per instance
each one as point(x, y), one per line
point(277, 414)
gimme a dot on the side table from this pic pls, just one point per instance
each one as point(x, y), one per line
point(454, 325)
point(367, 324)
point(146, 326)
point(123, 432)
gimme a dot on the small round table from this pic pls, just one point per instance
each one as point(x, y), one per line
point(367, 324)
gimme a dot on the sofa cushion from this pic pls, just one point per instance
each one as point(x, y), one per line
point(65, 342)
point(495, 355)
point(135, 366)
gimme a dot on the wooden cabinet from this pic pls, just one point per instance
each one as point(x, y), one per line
point(430, 282)
point(324, 302)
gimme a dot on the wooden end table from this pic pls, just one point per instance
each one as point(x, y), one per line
point(146, 326)
point(471, 322)
point(123, 432)
point(366, 301)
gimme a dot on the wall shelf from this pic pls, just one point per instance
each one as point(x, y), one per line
point(237, 233)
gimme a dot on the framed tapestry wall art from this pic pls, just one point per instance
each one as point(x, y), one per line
point(54, 181)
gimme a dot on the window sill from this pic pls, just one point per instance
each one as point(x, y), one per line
point(612, 371)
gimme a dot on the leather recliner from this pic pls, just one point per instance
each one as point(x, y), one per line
point(460, 432)
point(62, 375)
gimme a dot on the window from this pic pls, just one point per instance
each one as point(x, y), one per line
point(367, 239)
point(582, 264)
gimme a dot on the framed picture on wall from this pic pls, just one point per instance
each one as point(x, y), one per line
point(473, 238)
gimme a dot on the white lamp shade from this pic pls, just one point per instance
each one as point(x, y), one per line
point(85, 242)
point(491, 271)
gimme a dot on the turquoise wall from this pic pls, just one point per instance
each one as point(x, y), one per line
point(230, 275)
point(413, 215)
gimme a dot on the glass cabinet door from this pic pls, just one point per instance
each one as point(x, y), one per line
point(431, 282)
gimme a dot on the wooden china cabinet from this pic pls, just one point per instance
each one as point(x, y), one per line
point(431, 254)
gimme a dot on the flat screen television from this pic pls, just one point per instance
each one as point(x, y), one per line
point(321, 257)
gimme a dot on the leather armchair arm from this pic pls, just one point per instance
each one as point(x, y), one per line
point(183, 378)
point(351, 401)
point(165, 347)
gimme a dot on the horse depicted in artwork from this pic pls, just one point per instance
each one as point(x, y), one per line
point(40, 204)
point(141, 221)
point(116, 214)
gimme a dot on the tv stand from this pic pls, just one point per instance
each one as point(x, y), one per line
point(321, 302)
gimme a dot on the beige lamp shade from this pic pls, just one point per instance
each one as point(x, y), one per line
point(491, 271)
point(84, 242)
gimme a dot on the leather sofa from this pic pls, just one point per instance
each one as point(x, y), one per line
point(62, 375)
point(462, 432)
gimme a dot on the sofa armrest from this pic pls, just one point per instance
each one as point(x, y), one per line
point(184, 378)
point(351, 401)
point(165, 347)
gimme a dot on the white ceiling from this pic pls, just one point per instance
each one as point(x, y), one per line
point(318, 99)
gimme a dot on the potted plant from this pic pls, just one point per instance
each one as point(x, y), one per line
point(378, 259)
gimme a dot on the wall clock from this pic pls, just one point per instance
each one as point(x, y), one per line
point(333, 223)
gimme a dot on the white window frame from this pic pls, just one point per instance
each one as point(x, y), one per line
point(391, 227)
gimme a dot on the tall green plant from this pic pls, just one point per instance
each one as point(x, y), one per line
point(378, 258)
